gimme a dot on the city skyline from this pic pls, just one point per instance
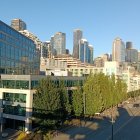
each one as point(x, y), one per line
point(101, 21)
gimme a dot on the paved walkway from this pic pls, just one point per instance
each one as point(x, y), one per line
point(12, 134)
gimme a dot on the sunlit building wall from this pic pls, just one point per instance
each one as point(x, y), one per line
point(118, 50)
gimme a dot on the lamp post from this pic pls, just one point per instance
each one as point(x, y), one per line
point(112, 122)
point(1, 126)
point(84, 101)
point(112, 128)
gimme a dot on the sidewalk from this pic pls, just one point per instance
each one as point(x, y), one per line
point(12, 134)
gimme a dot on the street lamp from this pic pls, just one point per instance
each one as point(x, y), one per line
point(84, 101)
point(1, 126)
point(112, 122)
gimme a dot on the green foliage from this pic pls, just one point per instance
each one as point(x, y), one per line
point(102, 92)
point(64, 98)
point(47, 97)
point(77, 101)
point(50, 102)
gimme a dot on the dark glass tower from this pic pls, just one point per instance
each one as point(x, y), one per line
point(18, 54)
point(77, 36)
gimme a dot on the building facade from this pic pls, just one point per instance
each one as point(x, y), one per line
point(131, 53)
point(59, 43)
point(16, 98)
point(33, 37)
point(118, 50)
point(82, 71)
point(18, 24)
point(77, 36)
point(85, 52)
point(18, 54)
point(91, 49)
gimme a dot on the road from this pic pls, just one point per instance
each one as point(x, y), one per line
point(125, 127)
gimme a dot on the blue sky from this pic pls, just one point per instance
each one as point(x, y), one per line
point(100, 20)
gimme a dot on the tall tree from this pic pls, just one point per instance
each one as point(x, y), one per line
point(64, 98)
point(77, 101)
point(46, 102)
point(92, 90)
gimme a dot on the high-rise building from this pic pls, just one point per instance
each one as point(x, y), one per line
point(59, 43)
point(138, 56)
point(131, 53)
point(67, 51)
point(91, 54)
point(77, 36)
point(18, 54)
point(85, 51)
point(118, 50)
point(129, 45)
point(18, 24)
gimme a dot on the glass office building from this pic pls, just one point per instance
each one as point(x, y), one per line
point(85, 51)
point(59, 43)
point(18, 54)
point(77, 36)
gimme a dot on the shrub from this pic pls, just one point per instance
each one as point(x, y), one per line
point(22, 136)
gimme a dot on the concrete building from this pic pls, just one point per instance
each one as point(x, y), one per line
point(82, 71)
point(18, 24)
point(16, 98)
point(50, 66)
point(118, 50)
point(129, 76)
point(99, 61)
point(112, 67)
point(18, 53)
point(77, 36)
point(69, 60)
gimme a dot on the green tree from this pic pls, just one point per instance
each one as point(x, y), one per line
point(121, 90)
point(77, 101)
point(46, 102)
point(102, 92)
point(64, 98)
point(93, 97)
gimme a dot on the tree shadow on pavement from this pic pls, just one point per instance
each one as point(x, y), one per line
point(126, 126)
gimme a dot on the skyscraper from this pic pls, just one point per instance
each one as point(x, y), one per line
point(118, 50)
point(18, 24)
point(129, 45)
point(85, 51)
point(59, 43)
point(131, 53)
point(77, 36)
point(91, 54)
